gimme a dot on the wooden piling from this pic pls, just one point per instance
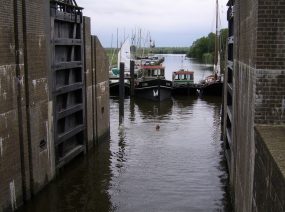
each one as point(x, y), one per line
point(132, 80)
point(121, 92)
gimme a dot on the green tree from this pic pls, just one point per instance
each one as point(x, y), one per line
point(223, 51)
point(203, 48)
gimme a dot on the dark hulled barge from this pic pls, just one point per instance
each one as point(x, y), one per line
point(212, 86)
point(151, 84)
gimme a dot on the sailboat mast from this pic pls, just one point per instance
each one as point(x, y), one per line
point(117, 39)
point(217, 33)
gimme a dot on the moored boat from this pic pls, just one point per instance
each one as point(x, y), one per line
point(183, 83)
point(213, 84)
point(114, 83)
point(151, 84)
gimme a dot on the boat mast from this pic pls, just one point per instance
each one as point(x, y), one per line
point(217, 34)
point(117, 39)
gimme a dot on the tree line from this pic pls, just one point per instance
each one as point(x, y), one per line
point(169, 50)
point(203, 48)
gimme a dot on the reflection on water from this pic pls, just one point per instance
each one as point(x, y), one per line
point(180, 167)
point(149, 109)
point(174, 62)
point(80, 186)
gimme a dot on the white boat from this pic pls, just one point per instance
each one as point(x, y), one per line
point(124, 56)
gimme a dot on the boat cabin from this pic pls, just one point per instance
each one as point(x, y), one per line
point(183, 77)
point(151, 72)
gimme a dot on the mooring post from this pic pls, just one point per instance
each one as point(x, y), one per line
point(132, 80)
point(121, 92)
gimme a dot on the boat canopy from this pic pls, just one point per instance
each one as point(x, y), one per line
point(152, 67)
point(183, 72)
point(151, 72)
point(116, 71)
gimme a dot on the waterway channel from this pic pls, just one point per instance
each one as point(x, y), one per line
point(180, 167)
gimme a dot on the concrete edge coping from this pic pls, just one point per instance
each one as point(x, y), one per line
point(274, 139)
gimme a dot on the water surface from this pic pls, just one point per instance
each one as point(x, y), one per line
point(179, 167)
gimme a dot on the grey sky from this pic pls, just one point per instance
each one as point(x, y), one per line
point(169, 22)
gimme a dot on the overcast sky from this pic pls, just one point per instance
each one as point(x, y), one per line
point(169, 22)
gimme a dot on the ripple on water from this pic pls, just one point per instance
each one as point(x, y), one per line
point(180, 167)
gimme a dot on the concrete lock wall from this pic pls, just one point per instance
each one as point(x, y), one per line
point(245, 14)
point(102, 90)
point(12, 107)
point(27, 151)
point(96, 88)
point(258, 93)
point(90, 129)
point(38, 97)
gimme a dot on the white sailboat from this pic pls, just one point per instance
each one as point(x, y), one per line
point(124, 56)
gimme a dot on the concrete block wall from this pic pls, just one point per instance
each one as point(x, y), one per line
point(270, 35)
point(269, 181)
point(270, 62)
point(97, 92)
point(270, 96)
point(93, 78)
point(37, 70)
point(27, 157)
point(243, 143)
point(96, 87)
point(242, 167)
point(14, 179)
point(258, 94)
point(102, 90)
point(90, 128)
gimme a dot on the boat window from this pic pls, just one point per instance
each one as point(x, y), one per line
point(191, 76)
point(149, 72)
point(177, 77)
point(156, 72)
